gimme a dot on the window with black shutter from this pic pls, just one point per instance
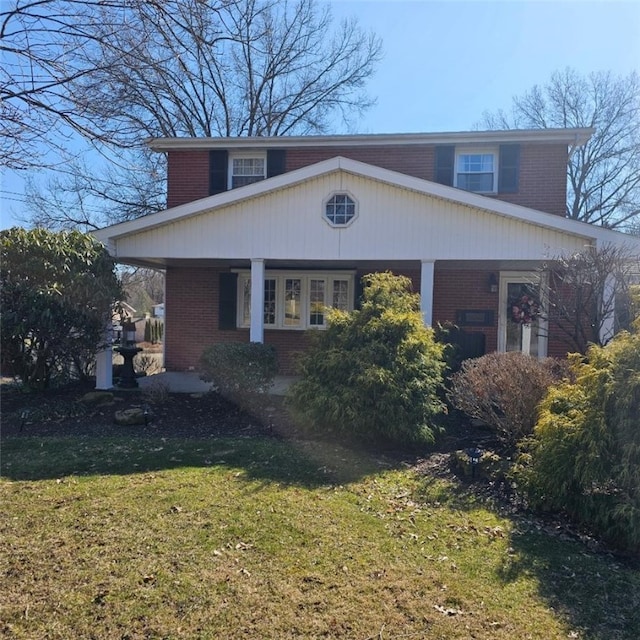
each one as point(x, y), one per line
point(227, 301)
point(509, 168)
point(444, 164)
point(218, 169)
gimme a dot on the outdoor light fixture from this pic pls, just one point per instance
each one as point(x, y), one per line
point(474, 457)
point(128, 350)
point(493, 283)
point(129, 333)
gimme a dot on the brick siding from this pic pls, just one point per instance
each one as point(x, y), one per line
point(187, 176)
point(542, 183)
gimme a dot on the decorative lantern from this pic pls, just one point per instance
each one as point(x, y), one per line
point(129, 333)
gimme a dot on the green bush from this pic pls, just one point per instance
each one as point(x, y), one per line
point(375, 372)
point(239, 370)
point(503, 390)
point(584, 456)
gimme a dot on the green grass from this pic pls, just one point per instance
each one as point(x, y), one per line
point(261, 538)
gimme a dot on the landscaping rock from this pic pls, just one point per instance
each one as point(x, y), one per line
point(128, 417)
point(96, 398)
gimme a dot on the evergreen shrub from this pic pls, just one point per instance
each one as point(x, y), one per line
point(375, 372)
point(584, 455)
point(239, 369)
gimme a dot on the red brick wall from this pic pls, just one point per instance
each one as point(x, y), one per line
point(187, 176)
point(414, 160)
point(543, 179)
point(542, 170)
point(459, 290)
point(191, 316)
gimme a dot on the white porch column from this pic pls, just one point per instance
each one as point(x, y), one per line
point(426, 291)
point(256, 331)
point(608, 310)
point(104, 361)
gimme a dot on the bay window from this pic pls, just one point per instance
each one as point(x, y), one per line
point(296, 300)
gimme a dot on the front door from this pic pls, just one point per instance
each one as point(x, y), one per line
point(520, 325)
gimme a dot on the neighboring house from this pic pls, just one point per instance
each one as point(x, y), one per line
point(158, 310)
point(261, 234)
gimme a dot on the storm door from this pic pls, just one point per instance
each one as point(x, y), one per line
point(521, 325)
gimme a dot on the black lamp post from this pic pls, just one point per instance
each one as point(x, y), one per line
point(474, 457)
point(128, 351)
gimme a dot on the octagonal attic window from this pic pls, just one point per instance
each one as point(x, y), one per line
point(340, 209)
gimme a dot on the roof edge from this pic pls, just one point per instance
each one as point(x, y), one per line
point(574, 137)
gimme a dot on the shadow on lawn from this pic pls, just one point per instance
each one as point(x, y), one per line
point(595, 591)
point(303, 463)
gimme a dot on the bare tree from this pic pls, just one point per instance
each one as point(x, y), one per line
point(78, 196)
point(45, 46)
point(135, 69)
point(604, 174)
point(247, 68)
point(586, 290)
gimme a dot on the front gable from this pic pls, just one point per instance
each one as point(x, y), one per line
point(399, 218)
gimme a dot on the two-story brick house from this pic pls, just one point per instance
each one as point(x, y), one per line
point(261, 234)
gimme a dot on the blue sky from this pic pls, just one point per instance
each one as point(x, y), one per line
point(447, 62)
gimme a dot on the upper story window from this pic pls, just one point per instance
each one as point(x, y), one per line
point(476, 170)
point(246, 169)
point(340, 209)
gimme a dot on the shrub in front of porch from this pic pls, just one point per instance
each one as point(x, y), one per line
point(584, 455)
point(375, 372)
point(503, 390)
point(240, 370)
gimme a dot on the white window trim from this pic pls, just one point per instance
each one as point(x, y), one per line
point(341, 192)
point(305, 307)
point(464, 151)
point(244, 155)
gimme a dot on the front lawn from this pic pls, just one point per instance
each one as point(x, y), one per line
point(263, 538)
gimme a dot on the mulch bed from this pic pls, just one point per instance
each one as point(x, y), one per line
point(59, 412)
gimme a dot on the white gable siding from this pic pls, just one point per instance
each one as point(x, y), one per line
point(393, 223)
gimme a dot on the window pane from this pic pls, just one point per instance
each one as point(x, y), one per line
point(340, 295)
point(246, 171)
point(475, 162)
point(340, 209)
point(270, 301)
point(475, 181)
point(316, 302)
point(292, 288)
point(248, 166)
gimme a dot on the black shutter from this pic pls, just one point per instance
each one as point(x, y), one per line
point(509, 168)
point(218, 165)
point(445, 160)
point(227, 300)
point(358, 291)
point(275, 162)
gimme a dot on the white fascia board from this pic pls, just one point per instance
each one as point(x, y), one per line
point(571, 137)
point(590, 232)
